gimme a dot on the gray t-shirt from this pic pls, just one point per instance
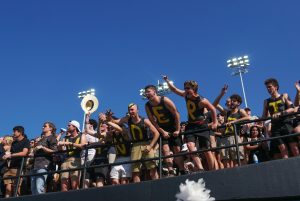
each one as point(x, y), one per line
point(43, 161)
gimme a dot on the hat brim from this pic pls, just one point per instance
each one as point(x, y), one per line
point(89, 103)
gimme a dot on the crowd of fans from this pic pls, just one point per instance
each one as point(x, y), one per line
point(133, 137)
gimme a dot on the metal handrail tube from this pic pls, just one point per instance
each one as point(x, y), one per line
point(160, 156)
point(84, 168)
point(18, 176)
point(237, 144)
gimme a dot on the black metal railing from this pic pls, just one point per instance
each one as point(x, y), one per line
point(159, 158)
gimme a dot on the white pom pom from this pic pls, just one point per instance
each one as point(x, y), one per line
point(192, 191)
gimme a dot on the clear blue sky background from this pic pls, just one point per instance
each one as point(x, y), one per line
point(50, 50)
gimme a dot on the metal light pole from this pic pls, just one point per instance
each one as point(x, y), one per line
point(162, 89)
point(81, 95)
point(239, 66)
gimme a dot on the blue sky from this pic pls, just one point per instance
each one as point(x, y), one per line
point(50, 50)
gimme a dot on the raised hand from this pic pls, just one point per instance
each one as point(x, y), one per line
point(224, 89)
point(87, 117)
point(165, 78)
point(102, 117)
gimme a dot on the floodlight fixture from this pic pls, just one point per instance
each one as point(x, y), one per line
point(161, 88)
point(239, 65)
point(82, 94)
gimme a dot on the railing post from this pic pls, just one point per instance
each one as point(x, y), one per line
point(159, 155)
point(18, 179)
point(237, 144)
point(84, 166)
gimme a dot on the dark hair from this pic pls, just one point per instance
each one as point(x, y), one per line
point(247, 109)
point(19, 129)
point(220, 114)
point(236, 97)
point(193, 84)
point(183, 123)
point(258, 129)
point(272, 81)
point(151, 87)
point(51, 125)
point(94, 123)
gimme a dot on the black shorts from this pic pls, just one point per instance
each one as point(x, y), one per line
point(172, 141)
point(296, 122)
point(100, 172)
point(220, 141)
point(274, 148)
point(282, 128)
point(203, 137)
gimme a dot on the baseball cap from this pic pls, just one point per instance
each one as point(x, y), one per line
point(76, 124)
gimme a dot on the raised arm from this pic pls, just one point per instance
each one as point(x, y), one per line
point(173, 88)
point(218, 99)
point(297, 98)
point(115, 126)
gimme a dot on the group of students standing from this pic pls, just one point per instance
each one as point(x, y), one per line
point(133, 137)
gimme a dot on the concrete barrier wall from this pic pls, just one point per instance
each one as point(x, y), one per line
point(279, 180)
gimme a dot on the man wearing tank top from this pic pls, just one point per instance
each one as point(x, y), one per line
point(277, 106)
point(142, 144)
point(164, 115)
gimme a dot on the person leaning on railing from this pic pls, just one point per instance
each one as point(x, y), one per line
point(74, 144)
point(233, 115)
point(19, 149)
point(119, 174)
point(163, 114)
point(87, 158)
point(277, 106)
point(196, 105)
point(142, 146)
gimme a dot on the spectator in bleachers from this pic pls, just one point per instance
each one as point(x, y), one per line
point(90, 131)
point(196, 120)
point(143, 146)
point(43, 158)
point(120, 174)
point(234, 115)
point(74, 144)
point(219, 134)
point(99, 174)
point(19, 148)
point(277, 106)
point(164, 115)
point(258, 150)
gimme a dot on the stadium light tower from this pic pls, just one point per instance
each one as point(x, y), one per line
point(162, 89)
point(239, 66)
point(81, 95)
